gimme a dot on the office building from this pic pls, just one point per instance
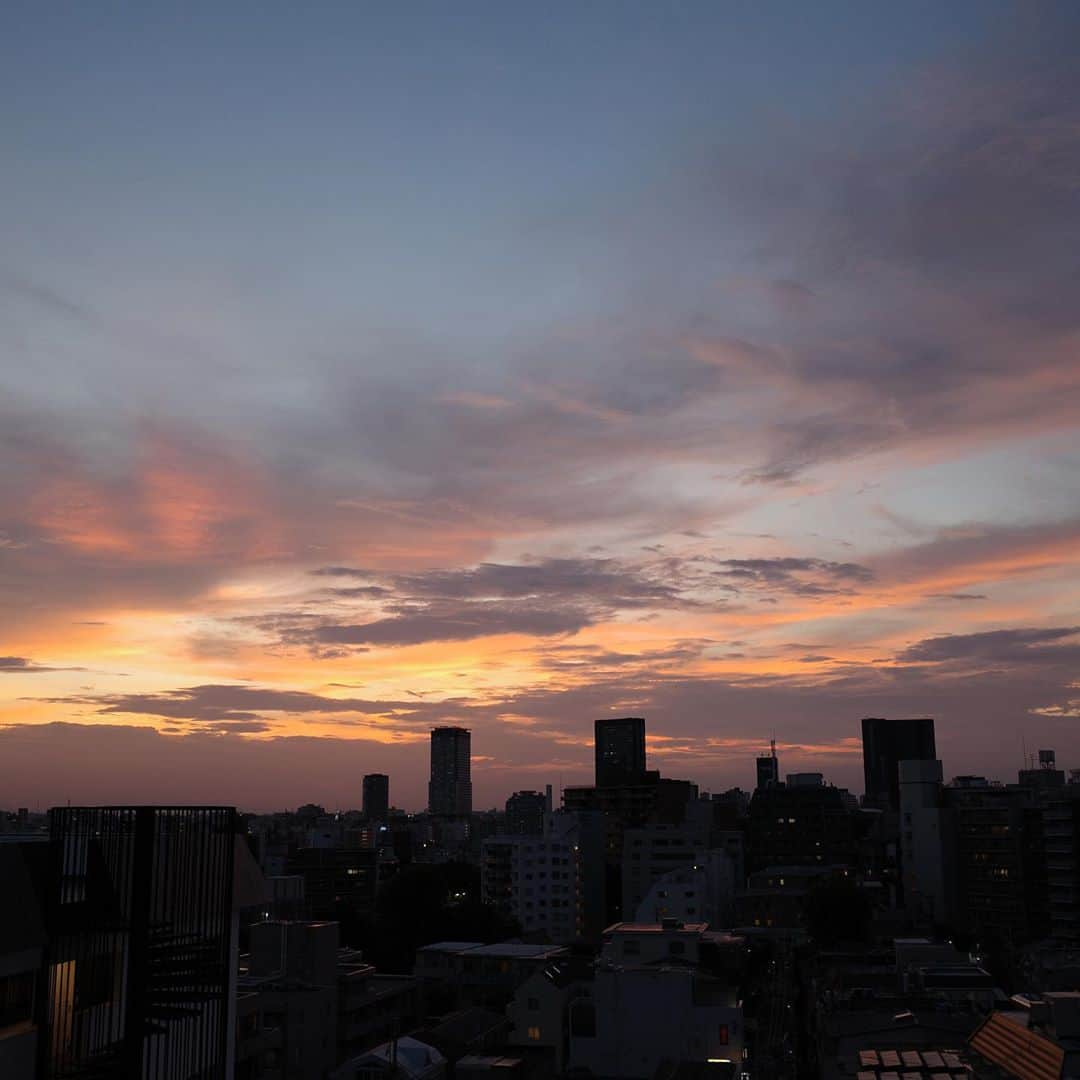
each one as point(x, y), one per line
point(620, 751)
point(376, 805)
point(768, 769)
point(885, 744)
point(450, 788)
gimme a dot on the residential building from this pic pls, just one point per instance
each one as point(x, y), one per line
point(702, 891)
point(1000, 860)
point(289, 983)
point(540, 1010)
point(462, 973)
point(654, 850)
point(885, 744)
point(336, 877)
point(539, 880)
point(376, 794)
point(620, 751)
point(1061, 837)
point(627, 806)
point(653, 1004)
point(927, 843)
point(810, 826)
point(525, 812)
point(1047, 777)
point(450, 787)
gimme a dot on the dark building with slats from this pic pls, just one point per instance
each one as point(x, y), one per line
point(137, 975)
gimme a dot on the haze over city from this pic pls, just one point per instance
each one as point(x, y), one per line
point(361, 373)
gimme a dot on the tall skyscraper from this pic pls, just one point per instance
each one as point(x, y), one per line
point(620, 751)
point(768, 769)
point(376, 796)
point(885, 744)
point(450, 787)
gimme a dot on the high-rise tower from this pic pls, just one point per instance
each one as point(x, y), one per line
point(768, 769)
point(620, 751)
point(376, 796)
point(450, 787)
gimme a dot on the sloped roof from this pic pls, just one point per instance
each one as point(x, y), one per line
point(1021, 1052)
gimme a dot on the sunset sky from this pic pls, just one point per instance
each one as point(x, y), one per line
point(367, 366)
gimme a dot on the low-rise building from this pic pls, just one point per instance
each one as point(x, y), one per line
point(539, 880)
point(402, 1059)
point(652, 1004)
point(459, 973)
point(703, 891)
point(540, 1010)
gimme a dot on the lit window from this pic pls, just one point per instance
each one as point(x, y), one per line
point(534, 1034)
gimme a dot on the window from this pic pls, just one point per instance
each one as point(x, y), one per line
point(723, 1034)
point(534, 1034)
point(16, 999)
point(532, 1004)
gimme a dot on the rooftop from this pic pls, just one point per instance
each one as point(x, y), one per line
point(507, 949)
point(655, 928)
point(1017, 1049)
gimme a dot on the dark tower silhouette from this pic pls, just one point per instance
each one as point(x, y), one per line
point(620, 751)
point(885, 744)
point(376, 796)
point(768, 769)
point(450, 787)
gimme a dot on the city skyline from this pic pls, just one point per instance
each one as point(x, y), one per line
point(372, 372)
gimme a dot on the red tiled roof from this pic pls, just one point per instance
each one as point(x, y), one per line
point(1021, 1052)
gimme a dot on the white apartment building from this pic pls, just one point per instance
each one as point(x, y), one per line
point(538, 880)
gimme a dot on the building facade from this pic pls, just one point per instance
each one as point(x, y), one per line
point(538, 880)
point(139, 968)
point(526, 812)
point(885, 744)
point(620, 751)
point(376, 805)
point(450, 787)
point(927, 843)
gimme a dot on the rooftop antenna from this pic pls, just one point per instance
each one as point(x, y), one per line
point(772, 746)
